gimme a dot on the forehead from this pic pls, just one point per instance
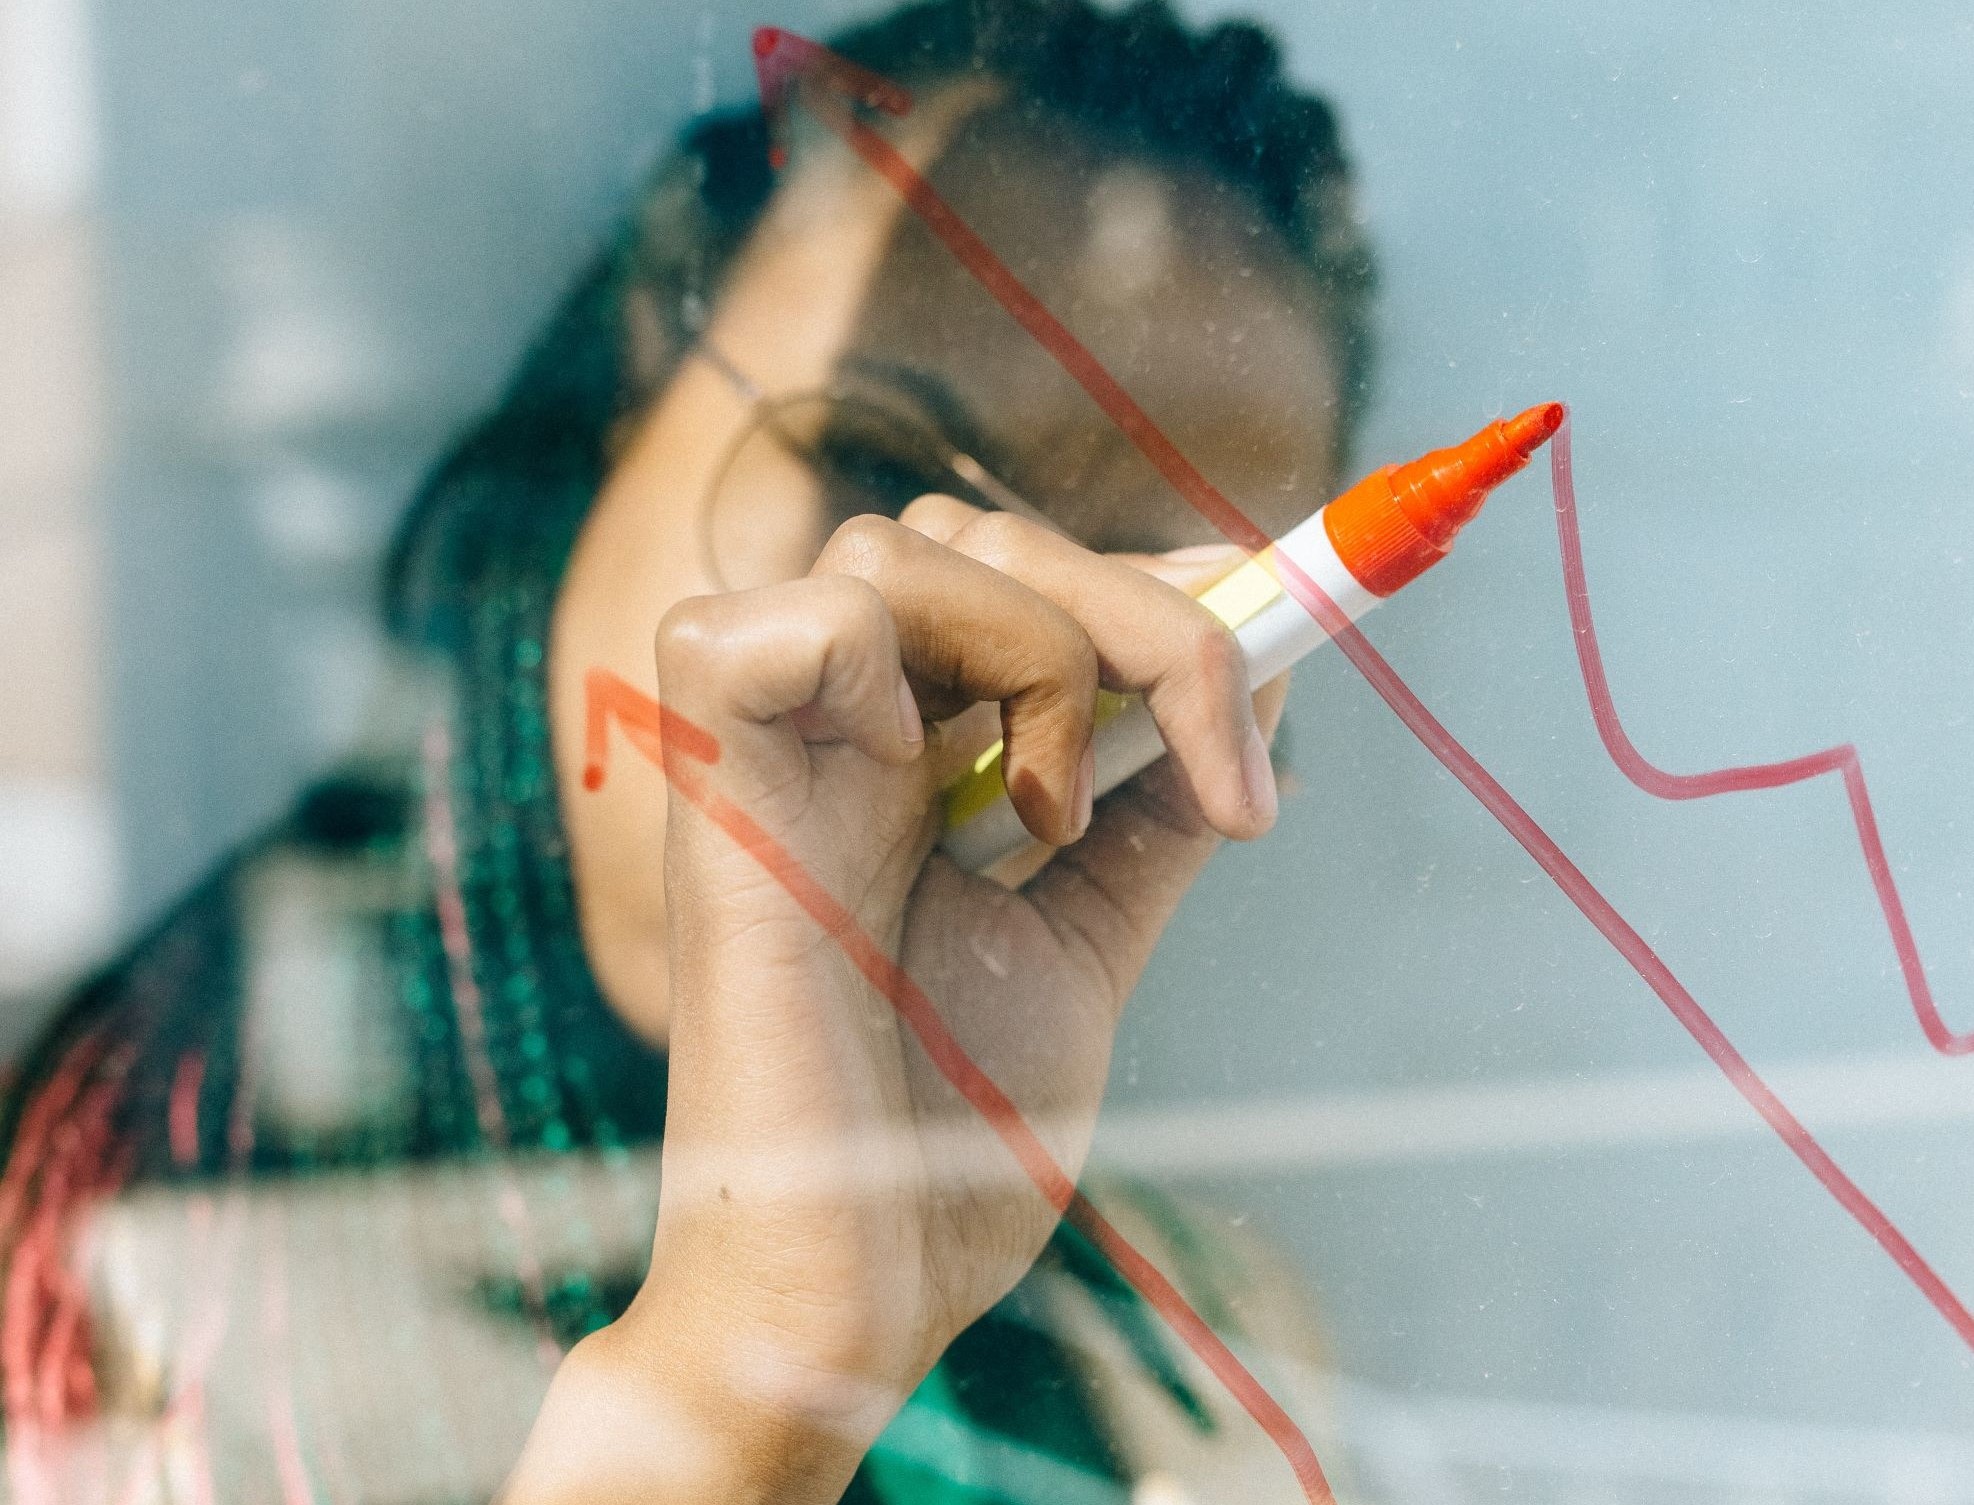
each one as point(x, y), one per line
point(1173, 279)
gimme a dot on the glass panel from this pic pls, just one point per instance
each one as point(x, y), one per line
point(1562, 1102)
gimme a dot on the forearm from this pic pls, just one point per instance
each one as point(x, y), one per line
point(684, 1417)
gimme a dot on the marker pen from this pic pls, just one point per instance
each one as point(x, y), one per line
point(1381, 534)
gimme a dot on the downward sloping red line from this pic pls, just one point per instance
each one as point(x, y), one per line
point(1632, 946)
point(1027, 310)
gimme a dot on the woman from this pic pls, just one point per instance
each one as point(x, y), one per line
point(319, 1185)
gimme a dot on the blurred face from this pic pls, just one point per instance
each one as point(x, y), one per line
point(1175, 283)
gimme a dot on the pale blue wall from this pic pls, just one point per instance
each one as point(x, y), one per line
point(1740, 241)
point(329, 230)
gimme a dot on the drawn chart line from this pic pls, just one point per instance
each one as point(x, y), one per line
point(1842, 759)
point(790, 64)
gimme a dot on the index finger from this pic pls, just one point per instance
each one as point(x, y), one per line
point(970, 633)
point(1151, 637)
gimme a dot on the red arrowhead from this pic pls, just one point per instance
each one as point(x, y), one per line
point(783, 61)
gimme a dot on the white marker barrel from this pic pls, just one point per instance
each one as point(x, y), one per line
point(1274, 631)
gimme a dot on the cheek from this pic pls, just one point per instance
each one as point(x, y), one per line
point(617, 861)
point(761, 521)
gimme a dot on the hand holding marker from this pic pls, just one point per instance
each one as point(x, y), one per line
point(1383, 533)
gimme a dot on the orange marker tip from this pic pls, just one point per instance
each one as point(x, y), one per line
point(1529, 431)
point(593, 777)
point(1398, 522)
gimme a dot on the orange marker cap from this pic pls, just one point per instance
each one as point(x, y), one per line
point(1397, 523)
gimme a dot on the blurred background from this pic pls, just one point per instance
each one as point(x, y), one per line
point(258, 263)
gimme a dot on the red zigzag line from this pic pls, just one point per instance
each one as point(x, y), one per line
point(1029, 311)
point(1842, 759)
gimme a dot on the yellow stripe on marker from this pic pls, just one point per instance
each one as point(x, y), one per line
point(1234, 600)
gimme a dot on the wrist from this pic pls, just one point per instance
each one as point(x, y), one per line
point(685, 1406)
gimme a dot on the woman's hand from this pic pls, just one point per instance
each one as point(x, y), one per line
point(831, 1213)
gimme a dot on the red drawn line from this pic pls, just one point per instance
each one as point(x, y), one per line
point(1842, 759)
point(607, 697)
point(1632, 946)
point(1027, 310)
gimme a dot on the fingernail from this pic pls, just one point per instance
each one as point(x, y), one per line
point(1086, 788)
point(1203, 553)
point(910, 725)
point(1258, 777)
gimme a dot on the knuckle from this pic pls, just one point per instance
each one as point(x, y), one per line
point(997, 539)
point(1216, 652)
point(689, 631)
point(862, 545)
point(849, 607)
point(1076, 661)
point(934, 507)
